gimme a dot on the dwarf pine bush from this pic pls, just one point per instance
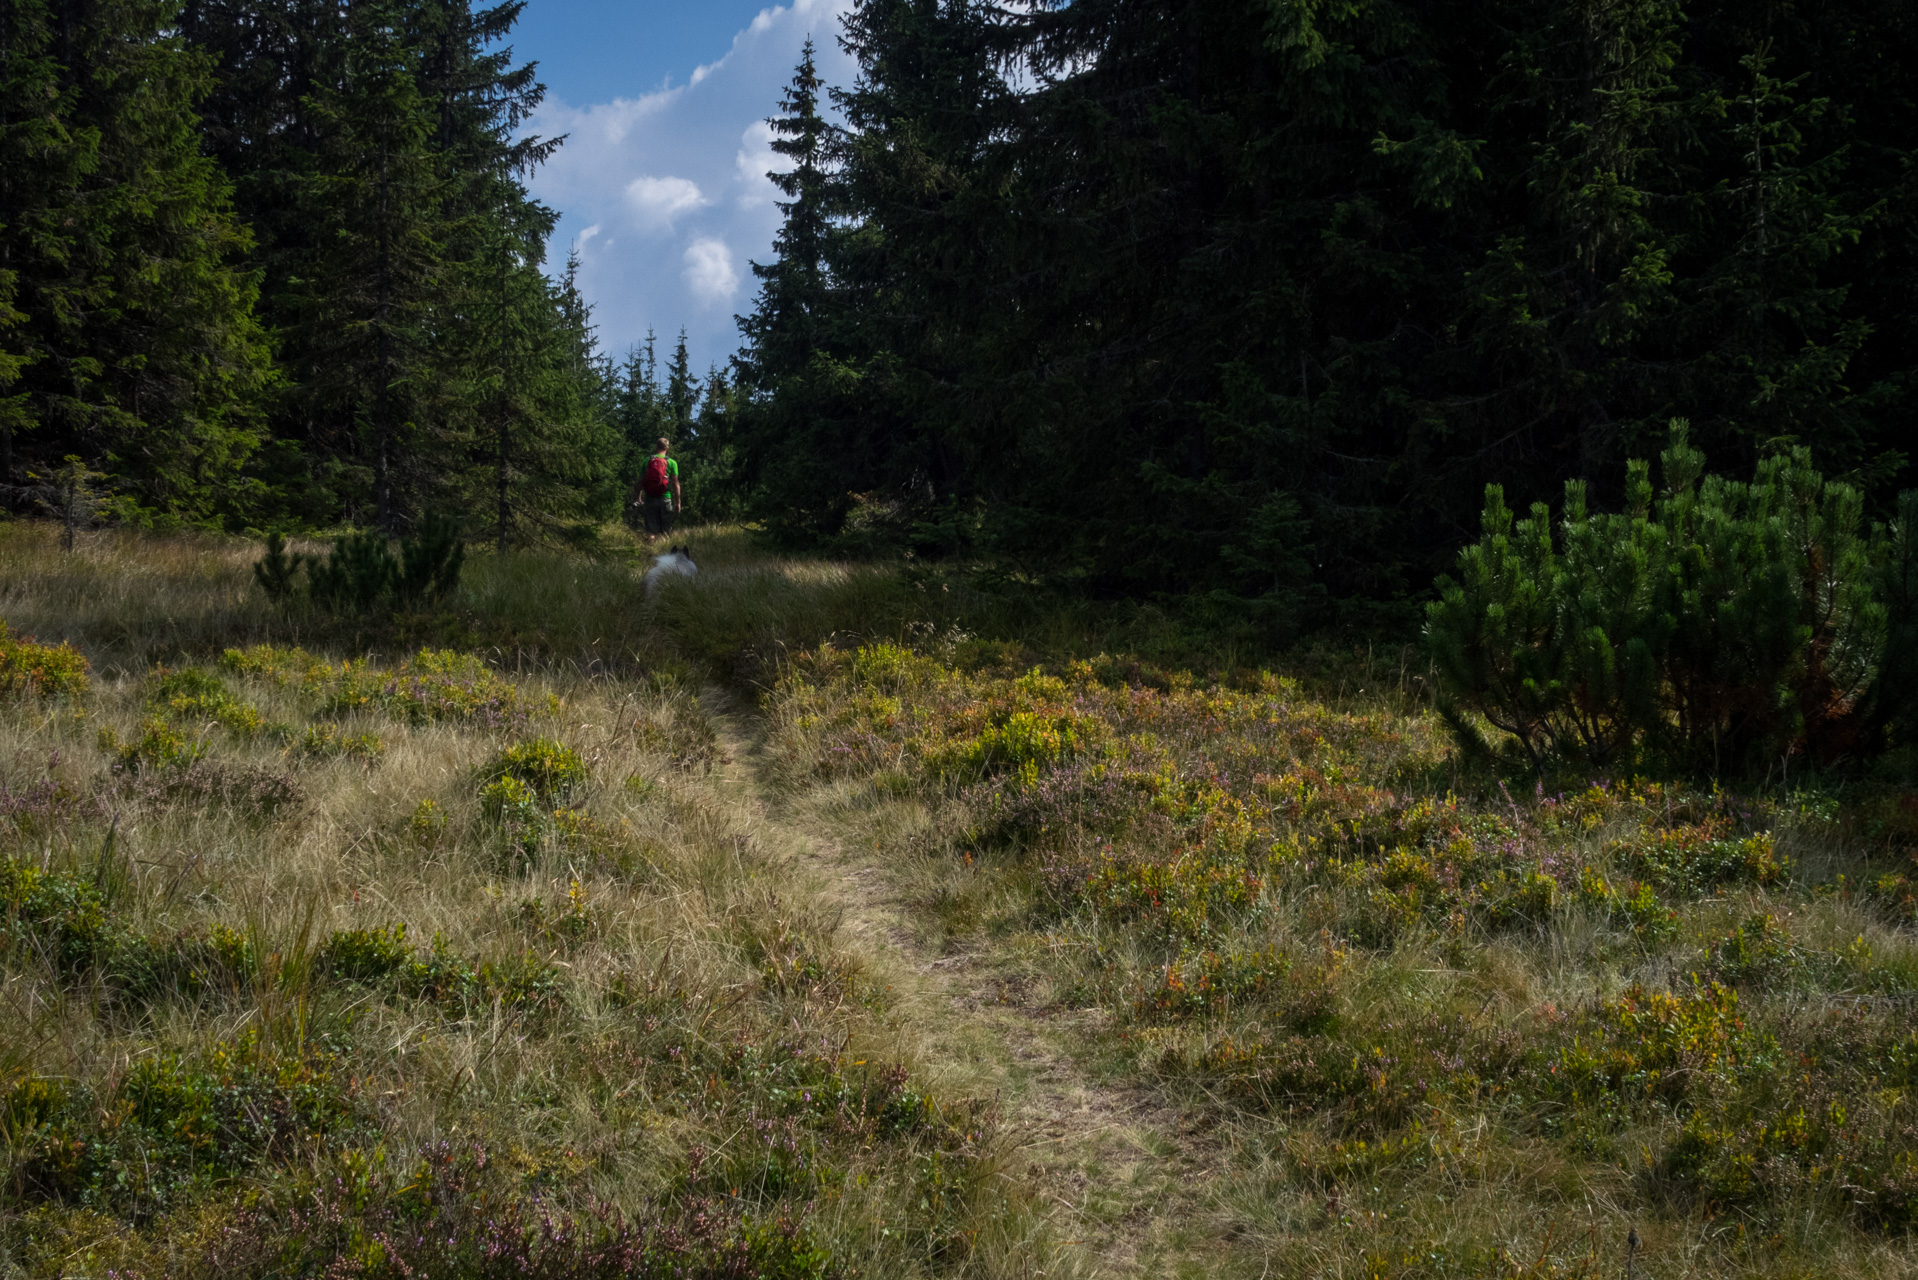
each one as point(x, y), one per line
point(357, 572)
point(360, 571)
point(1718, 626)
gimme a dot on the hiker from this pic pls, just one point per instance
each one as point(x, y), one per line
point(657, 494)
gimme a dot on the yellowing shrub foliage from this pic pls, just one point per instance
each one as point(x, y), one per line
point(30, 670)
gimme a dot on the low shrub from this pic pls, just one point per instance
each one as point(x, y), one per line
point(433, 685)
point(66, 915)
point(328, 740)
point(427, 825)
point(163, 766)
point(69, 921)
point(197, 695)
point(46, 806)
point(276, 572)
point(565, 924)
point(250, 791)
point(31, 670)
point(364, 955)
point(1714, 629)
point(552, 770)
point(456, 1210)
point(356, 573)
point(175, 1124)
point(360, 570)
point(1212, 982)
point(160, 746)
point(1693, 858)
point(282, 666)
point(513, 808)
point(508, 801)
point(382, 958)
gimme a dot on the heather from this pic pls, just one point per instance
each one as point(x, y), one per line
point(1426, 1003)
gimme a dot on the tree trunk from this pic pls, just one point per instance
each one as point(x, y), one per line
point(505, 397)
point(383, 408)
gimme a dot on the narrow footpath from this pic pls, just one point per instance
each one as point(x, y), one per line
point(1122, 1172)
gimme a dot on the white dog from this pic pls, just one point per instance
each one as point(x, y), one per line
point(676, 563)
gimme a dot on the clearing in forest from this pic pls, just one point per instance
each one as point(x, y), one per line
point(831, 920)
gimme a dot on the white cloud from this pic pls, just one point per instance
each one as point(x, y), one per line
point(660, 200)
point(710, 272)
point(754, 160)
point(689, 160)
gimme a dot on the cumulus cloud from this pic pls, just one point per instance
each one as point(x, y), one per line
point(689, 162)
point(755, 159)
point(660, 200)
point(710, 272)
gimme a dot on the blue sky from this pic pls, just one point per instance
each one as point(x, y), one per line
point(661, 184)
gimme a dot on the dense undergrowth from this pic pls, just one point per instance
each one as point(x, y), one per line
point(1495, 1029)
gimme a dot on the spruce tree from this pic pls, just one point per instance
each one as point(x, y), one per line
point(682, 392)
point(713, 457)
point(779, 403)
point(858, 374)
point(780, 334)
point(391, 405)
point(361, 327)
point(138, 351)
point(1246, 303)
point(32, 133)
point(549, 460)
point(13, 407)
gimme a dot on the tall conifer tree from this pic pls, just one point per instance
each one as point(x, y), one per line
point(378, 276)
point(1247, 302)
point(137, 350)
point(639, 408)
point(682, 392)
point(395, 407)
point(780, 334)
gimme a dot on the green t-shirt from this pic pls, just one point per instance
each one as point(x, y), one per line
point(672, 474)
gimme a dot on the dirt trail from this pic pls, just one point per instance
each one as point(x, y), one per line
point(1122, 1169)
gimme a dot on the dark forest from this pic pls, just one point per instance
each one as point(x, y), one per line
point(1233, 305)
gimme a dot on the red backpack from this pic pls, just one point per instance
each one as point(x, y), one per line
point(656, 480)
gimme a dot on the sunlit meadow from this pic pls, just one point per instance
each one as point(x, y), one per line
point(497, 940)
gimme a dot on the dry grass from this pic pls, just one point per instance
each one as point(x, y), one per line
point(627, 1007)
point(1261, 981)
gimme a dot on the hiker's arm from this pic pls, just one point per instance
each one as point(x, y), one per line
point(679, 499)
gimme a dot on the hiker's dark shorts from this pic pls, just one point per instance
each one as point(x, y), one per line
point(658, 516)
